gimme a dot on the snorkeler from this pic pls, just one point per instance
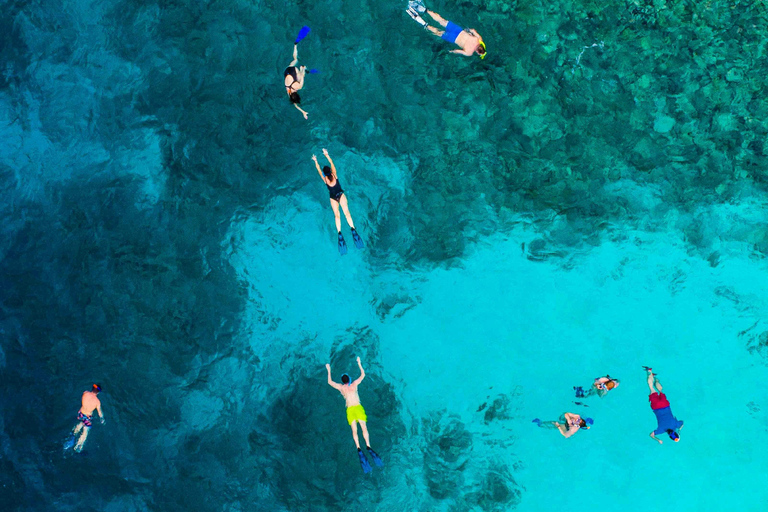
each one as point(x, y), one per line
point(600, 387)
point(90, 402)
point(667, 423)
point(356, 414)
point(338, 198)
point(294, 77)
point(468, 40)
point(568, 424)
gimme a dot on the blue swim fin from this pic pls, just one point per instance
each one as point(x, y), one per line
point(342, 245)
point(375, 456)
point(363, 461)
point(537, 421)
point(302, 34)
point(70, 442)
point(358, 241)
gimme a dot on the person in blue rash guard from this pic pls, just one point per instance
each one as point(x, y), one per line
point(667, 423)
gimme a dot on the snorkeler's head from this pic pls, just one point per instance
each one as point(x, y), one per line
point(673, 435)
point(294, 97)
point(345, 379)
point(328, 174)
point(481, 50)
point(96, 388)
point(610, 385)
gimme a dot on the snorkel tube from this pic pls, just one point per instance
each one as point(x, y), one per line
point(485, 52)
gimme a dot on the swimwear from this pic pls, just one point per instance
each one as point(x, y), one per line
point(85, 419)
point(658, 401)
point(452, 31)
point(291, 71)
point(356, 413)
point(335, 191)
point(666, 420)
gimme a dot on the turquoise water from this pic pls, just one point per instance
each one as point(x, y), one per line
point(588, 199)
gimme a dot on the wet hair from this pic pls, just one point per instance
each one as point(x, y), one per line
point(583, 423)
point(327, 172)
point(480, 49)
point(672, 434)
point(96, 388)
point(295, 99)
point(345, 379)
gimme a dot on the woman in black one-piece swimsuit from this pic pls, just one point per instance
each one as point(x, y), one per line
point(338, 198)
point(294, 80)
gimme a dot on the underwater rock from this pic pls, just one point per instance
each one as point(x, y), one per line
point(663, 124)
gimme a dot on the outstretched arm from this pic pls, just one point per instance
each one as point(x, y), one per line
point(295, 55)
point(656, 438)
point(466, 53)
point(570, 431)
point(317, 166)
point(333, 169)
point(302, 111)
point(362, 373)
point(330, 381)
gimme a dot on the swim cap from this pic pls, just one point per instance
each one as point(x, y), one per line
point(345, 378)
point(485, 52)
point(96, 388)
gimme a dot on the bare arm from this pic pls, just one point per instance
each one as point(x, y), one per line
point(474, 33)
point(466, 53)
point(295, 55)
point(362, 373)
point(101, 413)
point(330, 381)
point(570, 432)
point(302, 111)
point(333, 170)
point(317, 166)
point(656, 438)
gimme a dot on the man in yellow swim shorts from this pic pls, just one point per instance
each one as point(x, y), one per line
point(355, 414)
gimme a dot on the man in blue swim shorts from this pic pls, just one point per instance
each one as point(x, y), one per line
point(469, 40)
point(666, 421)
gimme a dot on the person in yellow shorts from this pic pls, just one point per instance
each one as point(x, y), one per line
point(355, 414)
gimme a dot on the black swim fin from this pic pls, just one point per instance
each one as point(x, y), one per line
point(363, 461)
point(375, 456)
point(356, 238)
point(342, 245)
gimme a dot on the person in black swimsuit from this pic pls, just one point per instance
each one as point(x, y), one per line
point(294, 80)
point(328, 175)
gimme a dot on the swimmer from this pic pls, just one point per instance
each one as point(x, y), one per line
point(602, 385)
point(667, 423)
point(338, 198)
point(294, 80)
point(568, 424)
point(90, 402)
point(468, 40)
point(355, 414)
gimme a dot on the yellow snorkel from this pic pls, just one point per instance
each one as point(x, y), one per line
point(485, 52)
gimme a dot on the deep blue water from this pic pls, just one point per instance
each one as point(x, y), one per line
point(589, 198)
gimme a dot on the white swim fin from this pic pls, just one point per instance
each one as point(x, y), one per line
point(415, 15)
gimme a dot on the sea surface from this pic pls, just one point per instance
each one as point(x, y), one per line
point(588, 199)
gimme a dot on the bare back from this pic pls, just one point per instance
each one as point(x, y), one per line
point(90, 403)
point(350, 394)
point(467, 41)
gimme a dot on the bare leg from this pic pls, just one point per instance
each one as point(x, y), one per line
point(345, 207)
point(81, 441)
point(658, 384)
point(365, 434)
point(77, 429)
point(335, 207)
point(650, 381)
point(354, 434)
point(442, 21)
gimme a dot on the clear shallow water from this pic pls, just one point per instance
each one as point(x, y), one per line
point(165, 234)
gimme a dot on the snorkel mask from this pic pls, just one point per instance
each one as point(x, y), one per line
point(485, 52)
